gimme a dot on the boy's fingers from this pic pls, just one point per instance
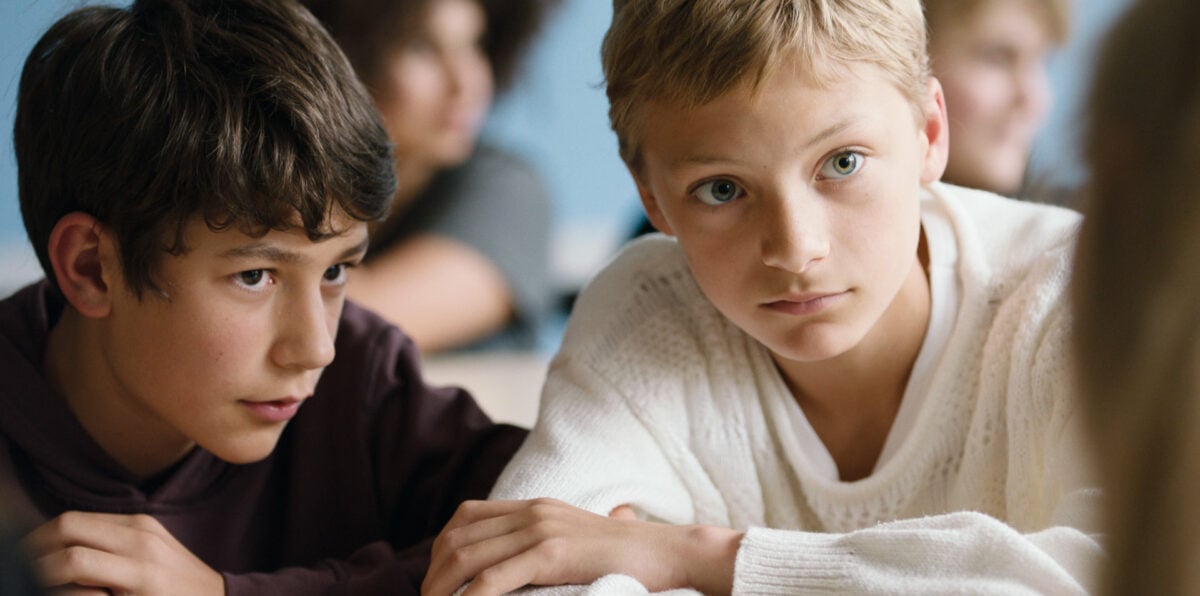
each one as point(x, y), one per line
point(63, 531)
point(132, 520)
point(512, 574)
point(121, 534)
point(453, 568)
point(485, 533)
point(453, 539)
point(87, 567)
point(470, 512)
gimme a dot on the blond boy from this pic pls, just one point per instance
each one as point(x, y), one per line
point(839, 374)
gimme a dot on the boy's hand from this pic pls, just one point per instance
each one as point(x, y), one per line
point(121, 554)
point(501, 546)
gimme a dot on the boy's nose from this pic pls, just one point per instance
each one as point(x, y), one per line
point(306, 335)
point(794, 235)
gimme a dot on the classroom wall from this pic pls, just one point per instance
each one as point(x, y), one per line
point(557, 118)
point(21, 23)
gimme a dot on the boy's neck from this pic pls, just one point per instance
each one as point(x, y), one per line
point(75, 366)
point(851, 401)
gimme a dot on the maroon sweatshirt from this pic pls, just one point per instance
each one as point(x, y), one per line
point(362, 479)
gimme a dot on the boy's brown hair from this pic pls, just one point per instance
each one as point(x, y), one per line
point(688, 53)
point(242, 112)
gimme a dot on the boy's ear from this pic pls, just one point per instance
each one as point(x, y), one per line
point(650, 204)
point(82, 254)
point(936, 133)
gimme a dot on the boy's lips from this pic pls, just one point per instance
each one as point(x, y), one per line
point(274, 411)
point(805, 303)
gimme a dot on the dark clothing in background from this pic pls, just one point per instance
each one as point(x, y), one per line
point(363, 477)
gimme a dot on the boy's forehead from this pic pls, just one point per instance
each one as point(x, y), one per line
point(339, 233)
point(816, 107)
point(657, 119)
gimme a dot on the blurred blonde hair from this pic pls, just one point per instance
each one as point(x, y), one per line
point(688, 53)
point(1137, 294)
point(1055, 15)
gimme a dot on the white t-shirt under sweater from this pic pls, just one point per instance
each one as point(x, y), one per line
point(656, 400)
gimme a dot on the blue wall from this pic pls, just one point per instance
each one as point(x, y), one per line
point(1056, 154)
point(558, 120)
point(22, 22)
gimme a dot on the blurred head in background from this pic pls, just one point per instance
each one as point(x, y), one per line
point(990, 56)
point(433, 66)
point(462, 257)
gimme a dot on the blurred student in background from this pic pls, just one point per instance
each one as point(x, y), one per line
point(990, 56)
point(1136, 292)
point(463, 257)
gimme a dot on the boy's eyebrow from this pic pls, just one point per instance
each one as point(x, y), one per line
point(357, 249)
point(262, 250)
point(832, 130)
point(829, 132)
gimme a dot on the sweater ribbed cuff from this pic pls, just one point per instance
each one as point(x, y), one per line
point(787, 561)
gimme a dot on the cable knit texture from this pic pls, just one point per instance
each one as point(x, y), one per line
point(656, 400)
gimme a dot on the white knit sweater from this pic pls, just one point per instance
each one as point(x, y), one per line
point(656, 400)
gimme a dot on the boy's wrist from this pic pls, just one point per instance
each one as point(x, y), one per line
point(709, 556)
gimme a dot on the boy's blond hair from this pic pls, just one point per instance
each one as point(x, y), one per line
point(1055, 15)
point(687, 53)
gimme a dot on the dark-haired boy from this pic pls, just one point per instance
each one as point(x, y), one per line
point(196, 177)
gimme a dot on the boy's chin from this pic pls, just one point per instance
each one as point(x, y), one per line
point(812, 346)
point(247, 450)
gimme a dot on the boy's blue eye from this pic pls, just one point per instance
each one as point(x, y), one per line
point(717, 192)
point(842, 165)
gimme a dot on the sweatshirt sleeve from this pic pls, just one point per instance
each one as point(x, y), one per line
point(376, 568)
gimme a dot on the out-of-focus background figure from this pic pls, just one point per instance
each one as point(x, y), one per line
point(991, 58)
point(1137, 291)
point(464, 254)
